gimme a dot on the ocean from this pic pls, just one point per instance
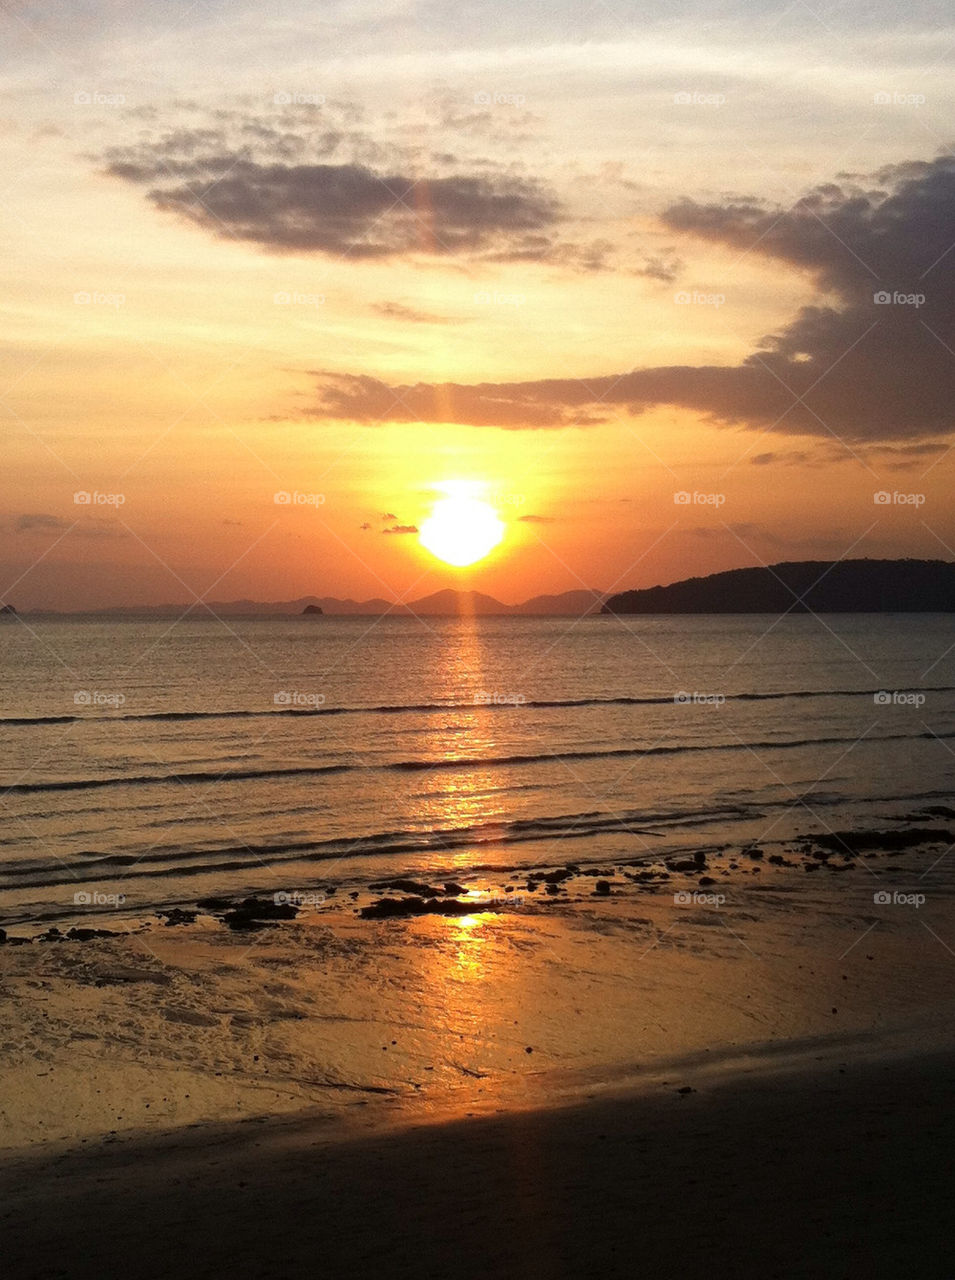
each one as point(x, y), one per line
point(148, 764)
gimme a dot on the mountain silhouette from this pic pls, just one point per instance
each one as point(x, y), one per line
point(817, 586)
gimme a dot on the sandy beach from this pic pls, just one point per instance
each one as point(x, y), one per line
point(802, 1170)
point(727, 1068)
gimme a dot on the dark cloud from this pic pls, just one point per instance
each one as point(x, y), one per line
point(272, 195)
point(361, 398)
point(531, 519)
point(852, 366)
point(401, 528)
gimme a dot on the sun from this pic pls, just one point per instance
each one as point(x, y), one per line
point(461, 528)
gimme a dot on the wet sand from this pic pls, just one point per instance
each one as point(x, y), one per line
point(809, 1171)
point(739, 1068)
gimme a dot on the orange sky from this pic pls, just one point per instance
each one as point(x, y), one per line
point(356, 259)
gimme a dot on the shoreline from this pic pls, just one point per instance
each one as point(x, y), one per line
point(807, 1170)
point(454, 1005)
point(714, 1068)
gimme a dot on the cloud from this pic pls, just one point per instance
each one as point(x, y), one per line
point(42, 522)
point(663, 267)
point(272, 194)
point(401, 528)
point(531, 519)
point(362, 398)
point(39, 522)
point(787, 458)
point(873, 359)
point(318, 179)
point(411, 315)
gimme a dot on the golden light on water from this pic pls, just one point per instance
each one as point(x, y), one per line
point(462, 528)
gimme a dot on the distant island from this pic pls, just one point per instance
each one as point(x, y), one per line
point(446, 603)
point(7, 613)
point(803, 586)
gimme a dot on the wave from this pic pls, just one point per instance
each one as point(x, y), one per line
point(423, 708)
point(90, 867)
point(445, 763)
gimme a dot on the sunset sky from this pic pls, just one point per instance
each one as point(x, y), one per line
point(582, 260)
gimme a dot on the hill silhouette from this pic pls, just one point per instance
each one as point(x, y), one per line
point(817, 586)
point(445, 603)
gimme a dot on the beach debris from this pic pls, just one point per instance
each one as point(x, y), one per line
point(852, 843)
point(176, 915)
point(385, 908)
point(258, 913)
point(550, 880)
point(53, 934)
point(686, 865)
point(408, 886)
